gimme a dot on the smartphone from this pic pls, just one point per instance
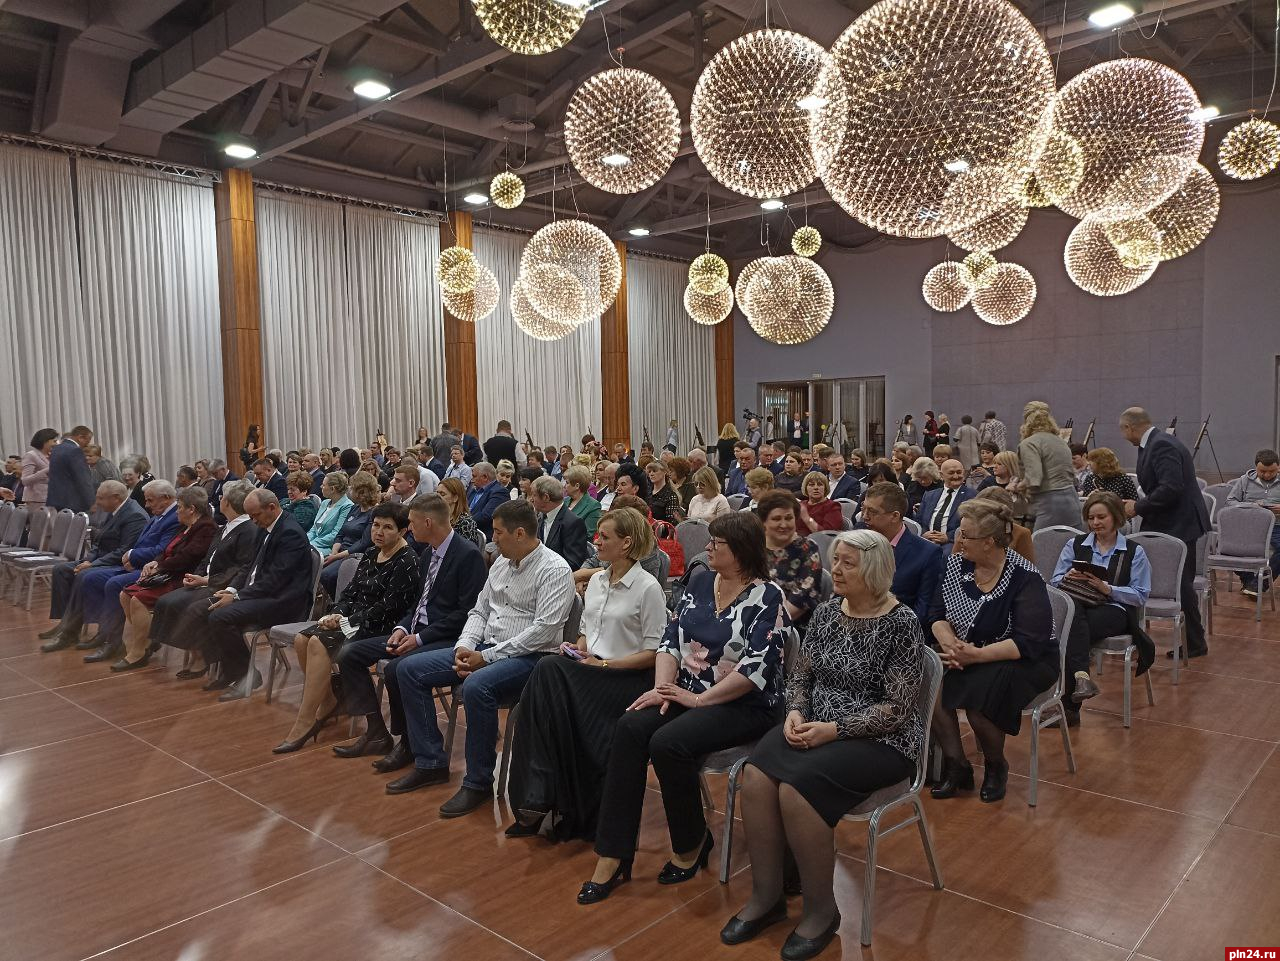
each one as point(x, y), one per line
point(571, 650)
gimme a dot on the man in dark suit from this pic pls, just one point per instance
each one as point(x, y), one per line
point(266, 475)
point(471, 452)
point(443, 442)
point(918, 563)
point(558, 527)
point(502, 445)
point(454, 572)
point(275, 589)
point(311, 464)
point(1171, 504)
point(70, 482)
point(125, 521)
point(843, 484)
point(438, 467)
point(940, 509)
point(224, 476)
point(736, 482)
point(486, 496)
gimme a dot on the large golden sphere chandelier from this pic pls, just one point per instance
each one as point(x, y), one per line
point(456, 270)
point(786, 323)
point(991, 233)
point(1095, 266)
point(933, 89)
point(622, 130)
point(1057, 171)
point(479, 302)
point(578, 249)
point(1008, 298)
point(944, 289)
point(1137, 240)
point(530, 27)
point(1250, 150)
point(533, 323)
point(1185, 219)
point(751, 108)
point(708, 309)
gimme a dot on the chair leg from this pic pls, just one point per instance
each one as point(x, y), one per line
point(1206, 601)
point(253, 664)
point(1178, 640)
point(1260, 582)
point(926, 838)
point(1151, 694)
point(31, 589)
point(1035, 754)
point(508, 735)
point(1128, 686)
point(730, 804)
point(869, 880)
point(1066, 739)
point(271, 670)
point(708, 805)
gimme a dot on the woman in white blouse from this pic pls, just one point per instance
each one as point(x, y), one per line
point(708, 503)
point(573, 698)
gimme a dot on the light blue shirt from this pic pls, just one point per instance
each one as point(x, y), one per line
point(1139, 589)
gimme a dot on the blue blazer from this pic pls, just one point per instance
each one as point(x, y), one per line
point(277, 486)
point(919, 564)
point(118, 534)
point(847, 486)
point(324, 529)
point(453, 593)
point(70, 482)
point(736, 482)
point(486, 502)
point(155, 537)
point(930, 503)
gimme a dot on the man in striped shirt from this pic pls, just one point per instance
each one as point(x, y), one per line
point(519, 616)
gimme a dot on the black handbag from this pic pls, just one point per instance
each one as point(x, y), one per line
point(155, 580)
point(1082, 592)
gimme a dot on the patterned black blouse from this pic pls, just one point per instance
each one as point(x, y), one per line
point(665, 504)
point(863, 673)
point(465, 526)
point(381, 593)
point(1121, 485)
point(797, 569)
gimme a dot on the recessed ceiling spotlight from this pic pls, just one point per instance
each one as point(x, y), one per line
point(772, 204)
point(957, 166)
point(240, 151)
point(476, 198)
point(615, 159)
point(1111, 15)
point(1205, 113)
point(639, 231)
point(371, 89)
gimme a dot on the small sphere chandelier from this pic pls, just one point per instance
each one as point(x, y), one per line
point(622, 130)
point(978, 270)
point(708, 274)
point(1250, 150)
point(708, 309)
point(806, 241)
point(1094, 264)
point(1185, 219)
point(457, 270)
point(506, 190)
point(477, 303)
point(1008, 298)
point(530, 27)
point(944, 289)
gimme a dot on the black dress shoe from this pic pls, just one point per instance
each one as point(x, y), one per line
point(124, 664)
point(399, 757)
point(218, 682)
point(528, 824)
point(60, 642)
point(88, 644)
point(994, 781)
point(189, 675)
point(1085, 689)
point(51, 632)
point(593, 893)
point(738, 931)
point(797, 948)
point(670, 874)
point(464, 802)
point(237, 690)
point(288, 747)
point(417, 778)
point(956, 776)
point(364, 744)
point(108, 652)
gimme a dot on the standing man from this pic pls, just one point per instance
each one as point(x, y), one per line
point(966, 442)
point(754, 437)
point(992, 431)
point(1171, 504)
point(502, 446)
point(70, 481)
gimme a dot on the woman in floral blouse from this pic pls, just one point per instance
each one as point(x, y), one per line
point(794, 562)
point(716, 686)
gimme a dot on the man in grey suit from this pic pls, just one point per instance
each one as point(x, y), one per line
point(125, 521)
point(559, 528)
point(70, 481)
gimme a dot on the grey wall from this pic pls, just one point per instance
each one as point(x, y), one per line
point(1202, 336)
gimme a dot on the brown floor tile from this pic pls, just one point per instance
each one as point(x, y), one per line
point(82, 776)
point(16, 641)
point(1230, 899)
point(60, 669)
point(342, 911)
point(91, 884)
point(30, 720)
point(1210, 702)
point(1251, 657)
point(136, 696)
point(12, 683)
point(1259, 809)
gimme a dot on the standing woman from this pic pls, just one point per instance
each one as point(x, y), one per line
point(253, 448)
point(572, 701)
point(852, 728)
point(943, 432)
point(35, 469)
point(1047, 470)
point(724, 446)
point(907, 432)
point(716, 685)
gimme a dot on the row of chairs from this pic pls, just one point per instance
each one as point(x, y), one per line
point(34, 542)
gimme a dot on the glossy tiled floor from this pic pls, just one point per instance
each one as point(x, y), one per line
point(140, 819)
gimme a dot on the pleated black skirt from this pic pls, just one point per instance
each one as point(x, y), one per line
point(999, 690)
point(178, 618)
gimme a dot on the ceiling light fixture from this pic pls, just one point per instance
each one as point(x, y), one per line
point(771, 204)
point(812, 102)
point(371, 89)
point(615, 159)
point(639, 231)
point(240, 151)
point(957, 166)
point(476, 198)
point(1205, 114)
point(1111, 15)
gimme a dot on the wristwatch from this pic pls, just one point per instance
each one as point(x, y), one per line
point(604, 663)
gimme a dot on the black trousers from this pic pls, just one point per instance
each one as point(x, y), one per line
point(1196, 642)
point(1090, 624)
point(64, 599)
point(676, 742)
point(358, 692)
point(225, 641)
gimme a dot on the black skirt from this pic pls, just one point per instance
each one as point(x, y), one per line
point(561, 746)
point(999, 690)
point(332, 640)
point(179, 618)
point(836, 777)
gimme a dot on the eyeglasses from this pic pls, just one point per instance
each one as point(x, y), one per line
point(715, 542)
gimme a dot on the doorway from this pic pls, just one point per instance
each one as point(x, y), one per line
point(844, 413)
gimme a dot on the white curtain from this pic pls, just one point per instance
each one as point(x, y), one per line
point(671, 359)
point(43, 349)
point(552, 389)
point(150, 279)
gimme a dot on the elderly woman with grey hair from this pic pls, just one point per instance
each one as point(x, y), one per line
point(851, 728)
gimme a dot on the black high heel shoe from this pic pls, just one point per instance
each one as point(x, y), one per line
point(186, 674)
point(956, 776)
point(670, 874)
point(994, 781)
point(288, 747)
point(592, 893)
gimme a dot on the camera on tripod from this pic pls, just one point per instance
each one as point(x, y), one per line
point(748, 413)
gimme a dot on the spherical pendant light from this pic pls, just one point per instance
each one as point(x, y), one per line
point(810, 312)
point(748, 125)
point(622, 130)
point(533, 323)
point(557, 294)
point(992, 233)
point(1250, 150)
point(806, 241)
point(772, 289)
point(457, 270)
point(1057, 171)
point(477, 303)
point(933, 88)
point(530, 27)
point(1124, 114)
point(1009, 297)
point(708, 309)
point(585, 251)
point(1145, 186)
point(1185, 219)
point(708, 274)
point(1137, 241)
point(978, 270)
point(944, 289)
point(507, 190)
point(1094, 265)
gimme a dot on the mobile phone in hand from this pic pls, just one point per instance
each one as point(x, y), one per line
point(571, 650)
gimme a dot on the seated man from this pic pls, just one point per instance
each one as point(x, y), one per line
point(125, 521)
point(559, 528)
point(939, 514)
point(404, 485)
point(486, 495)
point(843, 484)
point(266, 475)
point(454, 572)
point(519, 616)
point(736, 482)
point(918, 563)
point(275, 588)
point(1261, 486)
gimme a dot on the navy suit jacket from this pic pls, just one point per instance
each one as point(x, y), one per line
point(1171, 501)
point(471, 452)
point(847, 486)
point(283, 568)
point(568, 537)
point(930, 504)
point(70, 482)
point(437, 467)
point(490, 497)
point(155, 537)
point(452, 595)
point(735, 483)
point(317, 478)
point(919, 564)
point(119, 534)
point(277, 486)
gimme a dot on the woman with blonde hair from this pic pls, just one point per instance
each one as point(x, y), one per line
point(724, 446)
point(1047, 471)
point(1107, 475)
point(708, 503)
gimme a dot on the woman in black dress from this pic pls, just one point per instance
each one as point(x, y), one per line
point(851, 729)
point(993, 624)
point(384, 587)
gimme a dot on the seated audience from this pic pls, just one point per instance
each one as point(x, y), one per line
point(185, 477)
point(993, 626)
point(354, 537)
point(349, 462)
point(332, 514)
point(1021, 541)
point(817, 511)
point(926, 476)
point(852, 728)
point(664, 499)
point(559, 528)
point(35, 468)
point(458, 466)
point(901, 462)
point(506, 474)
point(656, 563)
point(519, 615)
point(11, 480)
point(767, 458)
point(527, 476)
point(1105, 606)
point(844, 484)
point(681, 473)
point(266, 475)
point(792, 475)
point(858, 464)
point(735, 482)
point(1260, 486)
point(939, 519)
point(576, 482)
point(383, 589)
point(917, 562)
point(1080, 465)
point(1007, 471)
point(1106, 474)
point(572, 701)
point(795, 563)
point(605, 481)
point(299, 504)
point(716, 685)
point(455, 498)
point(982, 475)
point(708, 503)
point(941, 454)
point(631, 479)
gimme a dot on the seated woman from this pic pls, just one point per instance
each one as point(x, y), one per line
point(795, 563)
point(527, 476)
point(630, 479)
point(300, 505)
point(572, 702)
point(654, 563)
point(852, 728)
point(454, 494)
point(1106, 474)
point(332, 514)
point(1006, 468)
point(982, 475)
point(599, 482)
point(716, 685)
point(681, 471)
point(759, 482)
point(708, 503)
point(507, 477)
point(185, 477)
point(576, 482)
point(858, 465)
point(817, 511)
point(354, 537)
point(1108, 605)
point(993, 626)
point(942, 453)
point(792, 475)
point(182, 555)
point(1020, 541)
point(664, 499)
point(925, 476)
point(386, 584)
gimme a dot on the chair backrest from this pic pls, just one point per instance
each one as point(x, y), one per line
point(75, 534)
point(315, 499)
point(17, 527)
point(848, 508)
point(1244, 530)
point(479, 538)
point(346, 571)
point(6, 515)
point(1166, 556)
point(317, 563)
point(573, 625)
point(693, 536)
point(1202, 551)
point(925, 699)
point(823, 540)
point(664, 567)
point(826, 587)
point(1064, 612)
point(40, 523)
point(1049, 543)
point(1211, 505)
point(1219, 492)
point(912, 526)
point(57, 531)
point(1202, 482)
point(737, 500)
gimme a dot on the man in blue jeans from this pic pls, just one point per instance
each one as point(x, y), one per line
point(1261, 486)
point(519, 616)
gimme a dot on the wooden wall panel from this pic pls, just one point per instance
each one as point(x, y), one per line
point(460, 345)
point(724, 376)
point(237, 239)
point(615, 370)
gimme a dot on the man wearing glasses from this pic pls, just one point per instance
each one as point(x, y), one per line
point(918, 562)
